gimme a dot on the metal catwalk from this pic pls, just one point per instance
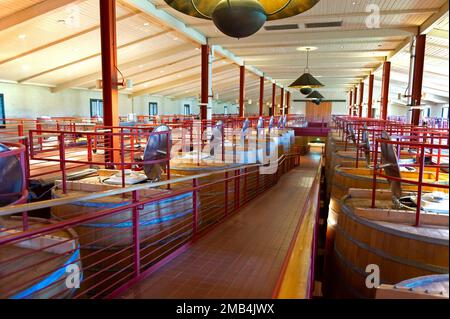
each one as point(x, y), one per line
point(243, 257)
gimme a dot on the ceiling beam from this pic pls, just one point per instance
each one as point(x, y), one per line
point(317, 61)
point(32, 12)
point(293, 37)
point(338, 15)
point(179, 82)
point(248, 57)
point(96, 55)
point(155, 57)
point(429, 25)
point(300, 43)
point(59, 41)
point(439, 34)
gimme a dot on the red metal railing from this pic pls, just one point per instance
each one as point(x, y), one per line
point(420, 148)
point(116, 246)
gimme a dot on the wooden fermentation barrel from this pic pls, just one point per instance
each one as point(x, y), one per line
point(384, 237)
point(32, 269)
point(107, 243)
point(346, 178)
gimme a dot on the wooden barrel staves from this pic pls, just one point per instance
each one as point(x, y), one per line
point(385, 238)
point(38, 268)
point(346, 178)
point(106, 244)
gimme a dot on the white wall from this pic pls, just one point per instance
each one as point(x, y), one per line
point(31, 101)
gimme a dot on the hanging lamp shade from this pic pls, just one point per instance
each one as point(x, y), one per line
point(241, 18)
point(306, 90)
point(306, 80)
point(315, 95)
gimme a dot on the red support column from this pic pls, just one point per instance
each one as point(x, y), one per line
point(205, 82)
point(350, 103)
point(261, 96)
point(109, 72)
point(418, 77)
point(370, 97)
point(241, 90)
point(361, 98)
point(282, 100)
point(355, 99)
point(274, 98)
point(288, 102)
point(385, 89)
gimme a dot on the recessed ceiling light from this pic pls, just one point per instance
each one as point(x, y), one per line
point(162, 71)
point(175, 38)
point(25, 67)
point(22, 36)
point(146, 24)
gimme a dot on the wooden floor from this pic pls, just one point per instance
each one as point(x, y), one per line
point(241, 258)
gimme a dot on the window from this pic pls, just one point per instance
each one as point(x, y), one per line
point(225, 110)
point(445, 112)
point(2, 111)
point(153, 108)
point(96, 108)
point(187, 109)
point(427, 112)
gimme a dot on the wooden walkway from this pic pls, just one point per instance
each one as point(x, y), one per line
point(243, 257)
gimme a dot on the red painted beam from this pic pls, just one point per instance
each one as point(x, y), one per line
point(418, 77)
point(241, 90)
point(109, 62)
point(350, 103)
point(370, 97)
point(261, 96)
point(361, 98)
point(274, 99)
point(385, 89)
point(288, 102)
point(205, 82)
point(108, 40)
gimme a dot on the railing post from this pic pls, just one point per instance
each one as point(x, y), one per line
point(168, 157)
point(419, 189)
point(245, 185)
point(122, 157)
point(195, 207)
point(374, 180)
point(62, 163)
point(226, 194)
point(357, 148)
point(136, 236)
point(236, 189)
point(39, 131)
point(89, 148)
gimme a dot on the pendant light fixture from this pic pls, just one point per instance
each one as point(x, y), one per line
point(306, 82)
point(241, 18)
point(316, 97)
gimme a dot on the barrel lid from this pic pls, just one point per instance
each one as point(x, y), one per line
point(157, 148)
